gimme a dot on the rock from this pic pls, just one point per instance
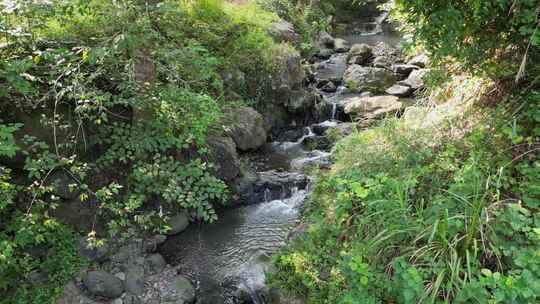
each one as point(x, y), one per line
point(155, 263)
point(96, 254)
point(320, 128)
point(283, 31)
point(324, 54)
point(415, 80)
point(72, 294)
point(151, 244)
point(382, 62)
point(78, 214)
point(421, 60)
point(329, 87)
point(132, 299)
point(341, 45)
point(289, 72)
point(291, 135)
point(36, 277)
point(332, 69)
point(178, 223)
point(129, 252)
point(399, 90)
point(222, 154)
point(134, 282)
point(341, 130)
point(315, 158)
point(103, 284)
point(404, 69)
point(360, 54)
point(359, 78)
point(301, 101)
point(317, 143)
point(121, 276)
point(325, 40)
point(272, 185)
point(64, 185)
point(373, 107)
point(184, 293)
point(246, 127)
point(385, 50)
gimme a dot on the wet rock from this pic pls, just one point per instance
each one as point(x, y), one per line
point(324, 54)
point(151, 244)
point(382, 62)
point(283, 31)
point(71, 294)
point(92, 254)
point(329, 87)
point(341, 45)
point(361, 78)
point(312, 159)
point(222, 154)
point(178, 223)
point(341, 130)
point(404, 69)
point(360, 54)
point(246, 127)
point(325, 40)
point(320, 128)
point(415, 80)
point(421, 60)
point(399, 90)
point(373, 107)
point(155, 263)
point(292, 135)
point(103, 284)
point(64, 185)
point(134, 282)
point(331, 69)
point(272, 185)
point(317, 143)
point(302, 100)
point(184, 292)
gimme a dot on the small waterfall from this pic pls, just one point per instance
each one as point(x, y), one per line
point(334, 109)
point(267, 195)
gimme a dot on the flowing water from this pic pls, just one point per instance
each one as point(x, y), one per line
point(229, 258)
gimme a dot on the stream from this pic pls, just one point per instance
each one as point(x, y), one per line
point(227, 260)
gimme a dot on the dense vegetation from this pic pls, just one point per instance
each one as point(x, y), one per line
point(437, 215)
point(118, 97)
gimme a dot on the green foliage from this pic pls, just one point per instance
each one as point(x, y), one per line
point(488, 34)
point(401, 221)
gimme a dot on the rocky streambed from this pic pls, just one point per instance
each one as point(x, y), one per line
point(345, 86)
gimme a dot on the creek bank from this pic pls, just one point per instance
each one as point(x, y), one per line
point(314, 105)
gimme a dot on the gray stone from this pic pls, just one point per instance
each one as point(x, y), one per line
point(359, 78)
point(331, 69)
point(373, 107)
point(415, 80)
point(184, 293)
point(64, 185)
point(421, 60)
point(404, 69)
point(132, 299)
point(178, 223)
point(151, 244)
point(134, 282)
point(246, 127)
point(301, 100)
point(325, 40)
point(360, 54)
point(320, 128)
point(399, 90)
point(223, 156)
point(71, 294)
point(92, 254)
point(341, 45)
point(382, 62)
point(329, 87)
point(155, 263)
point(283, 31)
point(103, 284)
point(324, 54)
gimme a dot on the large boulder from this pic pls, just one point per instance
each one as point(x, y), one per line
point(103, 284)
point(373, 107)
point(183, 293)
point(399, 90)
point(359, 78)
point(246, 127)
point(134, 282)
point(289, 73)
point(222, 154)
point(331, 69)
point(283, 31)
point(272, 185)
point(178, 223)
point(301, 101)
point(341, 45)
point(360, 53)
point(416, 79)
point(325, 40)
point(421, 60)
